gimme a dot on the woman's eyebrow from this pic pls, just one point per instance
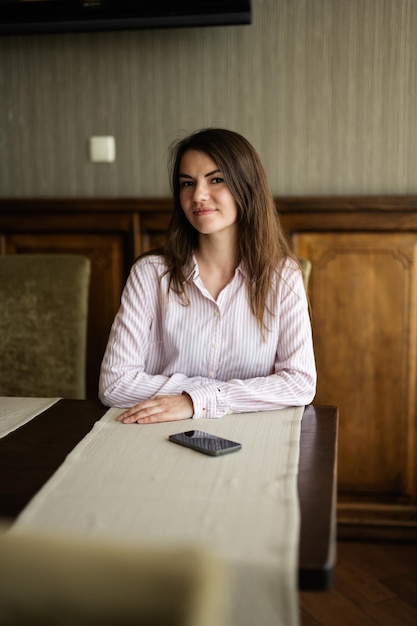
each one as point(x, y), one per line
point(205, 175)
point(211, 173)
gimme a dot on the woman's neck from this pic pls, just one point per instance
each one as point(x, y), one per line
point(217, 251)
point(217, 261)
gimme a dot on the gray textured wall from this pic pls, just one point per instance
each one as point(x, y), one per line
point(325, 89)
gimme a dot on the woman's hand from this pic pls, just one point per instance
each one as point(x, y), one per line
point(159, 409)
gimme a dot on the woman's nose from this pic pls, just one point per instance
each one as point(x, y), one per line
point(200, 191)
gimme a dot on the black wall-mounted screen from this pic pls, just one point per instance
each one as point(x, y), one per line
point(20, 17)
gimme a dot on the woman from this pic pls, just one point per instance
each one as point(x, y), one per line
point(217, 322)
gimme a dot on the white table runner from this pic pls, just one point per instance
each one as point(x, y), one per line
point(129, 482)
point(15, 412)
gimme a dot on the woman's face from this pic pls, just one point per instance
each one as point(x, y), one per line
point(205, 198)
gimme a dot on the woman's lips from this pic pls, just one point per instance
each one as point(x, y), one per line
point(203, 211)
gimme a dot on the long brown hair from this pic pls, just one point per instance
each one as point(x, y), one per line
point(262, 245)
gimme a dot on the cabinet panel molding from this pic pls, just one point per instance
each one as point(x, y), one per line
point(364, 321)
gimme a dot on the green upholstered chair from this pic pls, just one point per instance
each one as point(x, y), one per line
point(43, 325)
point(305, 265)
point(60, 580)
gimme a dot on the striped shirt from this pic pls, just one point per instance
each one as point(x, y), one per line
point(212, 350)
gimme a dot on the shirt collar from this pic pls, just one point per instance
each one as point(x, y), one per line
point(192, 271)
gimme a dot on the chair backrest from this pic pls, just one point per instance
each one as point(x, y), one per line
point(43, 325)
point(62, 580)
point(305, 265)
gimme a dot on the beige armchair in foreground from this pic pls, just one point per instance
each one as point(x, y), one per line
point(57, 581)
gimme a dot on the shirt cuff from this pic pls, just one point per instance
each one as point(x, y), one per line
point(208, 400)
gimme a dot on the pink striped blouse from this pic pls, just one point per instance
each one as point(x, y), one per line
point(211, 349)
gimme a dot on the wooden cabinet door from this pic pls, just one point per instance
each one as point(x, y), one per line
point(363, 291)
point(106, 283)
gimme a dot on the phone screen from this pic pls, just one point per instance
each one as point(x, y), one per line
point(205, 442)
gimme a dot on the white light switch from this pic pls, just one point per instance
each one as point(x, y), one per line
point(102, 149)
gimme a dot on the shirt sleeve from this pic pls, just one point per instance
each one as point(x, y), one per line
point(293, 382)
point(124, 381)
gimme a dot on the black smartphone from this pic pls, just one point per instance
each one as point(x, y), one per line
point(205, 442)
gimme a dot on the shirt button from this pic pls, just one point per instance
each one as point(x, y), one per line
point(212, 374)
point(216, 313)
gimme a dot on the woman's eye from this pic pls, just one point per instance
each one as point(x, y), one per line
point(217, 180)
point(185, 183)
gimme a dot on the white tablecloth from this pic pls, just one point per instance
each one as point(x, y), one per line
point(15, 412)
point(129, 482)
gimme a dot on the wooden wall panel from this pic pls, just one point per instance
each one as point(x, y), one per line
point(363, 292)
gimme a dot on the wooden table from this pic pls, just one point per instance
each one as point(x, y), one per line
point(31, 454)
